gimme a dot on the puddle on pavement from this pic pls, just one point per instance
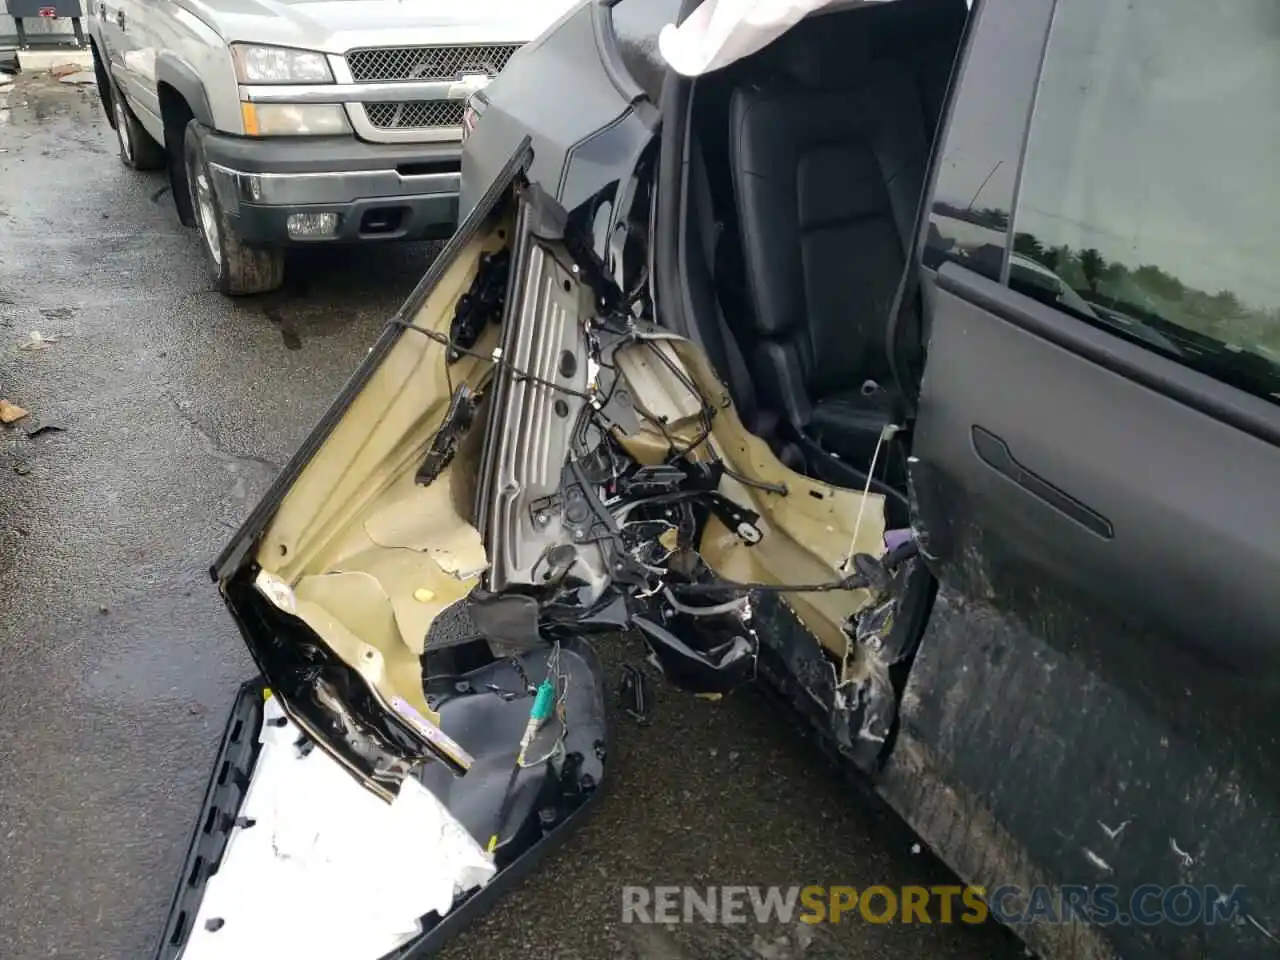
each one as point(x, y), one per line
point(288, 332)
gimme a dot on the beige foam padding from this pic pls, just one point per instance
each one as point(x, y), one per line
point(380, 440)
point(354, 618)
point(356, 537)
point(424, 518)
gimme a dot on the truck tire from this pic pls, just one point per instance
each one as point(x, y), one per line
point(237, 269)
point(137, 150)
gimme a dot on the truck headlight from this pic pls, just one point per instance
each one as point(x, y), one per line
point(293, 119)
point(255, 63)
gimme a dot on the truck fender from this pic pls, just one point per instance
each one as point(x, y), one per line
point(171, 70)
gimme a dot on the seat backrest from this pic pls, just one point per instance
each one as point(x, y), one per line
point(828, 152)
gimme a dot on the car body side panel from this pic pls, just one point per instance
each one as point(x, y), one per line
point(1105, 648)
point(1030, 752)
point(1090, 703)
point(579, 148)
point(192, 57)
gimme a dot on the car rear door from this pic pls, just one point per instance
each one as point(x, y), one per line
point(1096, 482)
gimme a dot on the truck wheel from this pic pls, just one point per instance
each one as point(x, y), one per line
point(137, 150)
point(237, 269)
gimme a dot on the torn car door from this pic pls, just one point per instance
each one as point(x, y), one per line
point(521, 465)
point(387, 740)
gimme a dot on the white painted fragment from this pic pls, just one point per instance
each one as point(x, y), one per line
point(1112, 833)
point(1187, 859)
point(1265, 932)
point(1097, 861)
point(277, 591)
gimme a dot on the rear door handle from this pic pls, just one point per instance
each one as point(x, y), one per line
point(995, 453)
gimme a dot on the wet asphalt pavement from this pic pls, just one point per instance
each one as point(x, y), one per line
point(174, 407)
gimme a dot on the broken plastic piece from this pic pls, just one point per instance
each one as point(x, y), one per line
point(480, 305)
point(726, 665)
point(510, 620)
point(444, 445)
point(633, 691)
point(37, 341)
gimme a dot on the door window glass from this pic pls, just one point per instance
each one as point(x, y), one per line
point(978, 170)
point(1149, 202)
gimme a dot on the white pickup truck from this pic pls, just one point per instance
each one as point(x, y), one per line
point(291, 122)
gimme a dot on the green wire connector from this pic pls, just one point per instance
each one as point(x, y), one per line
point(544, 701)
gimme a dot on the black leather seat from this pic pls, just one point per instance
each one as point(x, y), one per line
point(828, 153)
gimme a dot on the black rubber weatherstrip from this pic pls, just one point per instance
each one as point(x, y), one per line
point(223, 797)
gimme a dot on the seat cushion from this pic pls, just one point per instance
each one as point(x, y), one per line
point(848, 425)
point(826, 183)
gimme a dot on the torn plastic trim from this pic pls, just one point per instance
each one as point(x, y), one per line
point(856, 717)
point(444, 445)
point(728, 662)
point(327, 698)
point(223, 796)
point(244, 541)
point(220, 814)
point(856, 714)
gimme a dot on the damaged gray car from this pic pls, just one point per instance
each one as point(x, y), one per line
point(762, 362)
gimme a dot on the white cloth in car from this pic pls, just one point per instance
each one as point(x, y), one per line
point(720, 32)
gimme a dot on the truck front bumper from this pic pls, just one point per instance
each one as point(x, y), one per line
point(280, 190)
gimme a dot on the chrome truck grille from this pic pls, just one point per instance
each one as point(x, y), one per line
point(428, 63)
point(441, 75)
point(415, 114)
